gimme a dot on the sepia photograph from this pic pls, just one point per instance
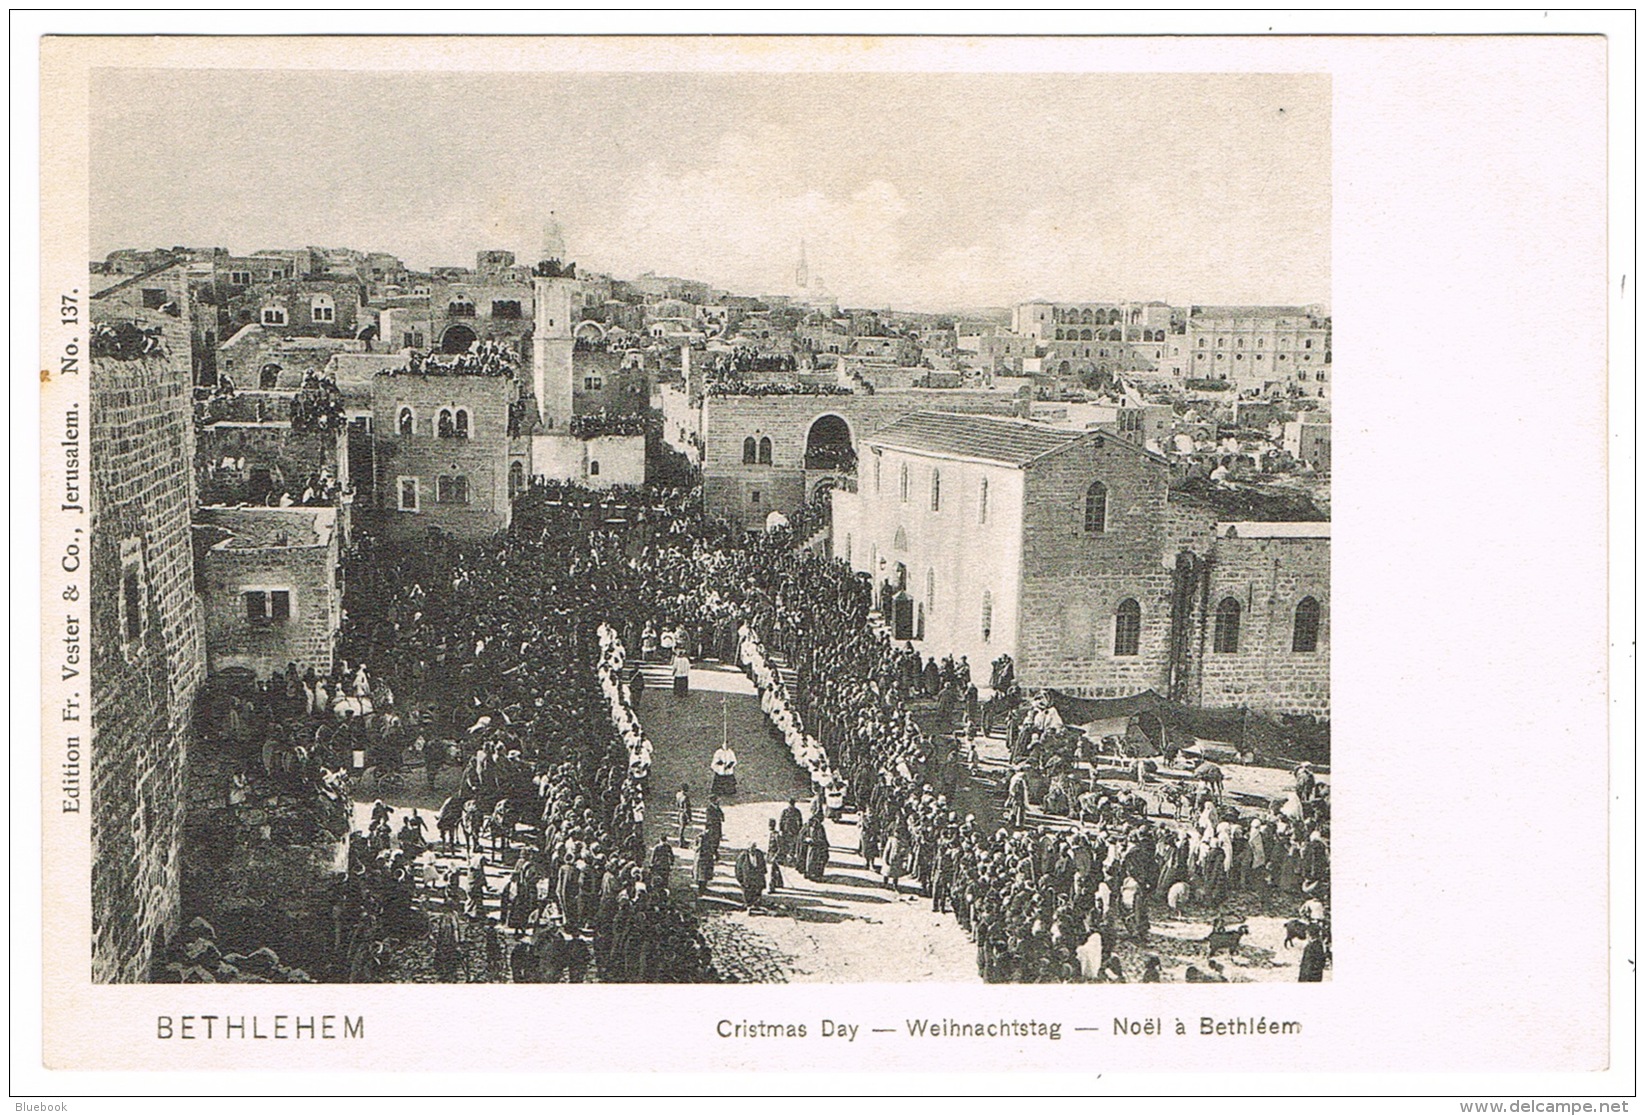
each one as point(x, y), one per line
point(825, 544)
point(691, 541)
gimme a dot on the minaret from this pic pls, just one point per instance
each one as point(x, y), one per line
point(802, 276)
point(554, 293)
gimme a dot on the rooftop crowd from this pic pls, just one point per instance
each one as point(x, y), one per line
point(483, 358)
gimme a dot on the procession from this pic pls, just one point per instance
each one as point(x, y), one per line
point(486, 701)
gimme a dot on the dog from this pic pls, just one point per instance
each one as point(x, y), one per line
point(1224, 941)
point(1296, 930)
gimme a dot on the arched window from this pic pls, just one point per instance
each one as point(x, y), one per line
point(447, 425)
point(1096, 508)
point(408, 422)
point(982, 501)
point(461, 307)
point(902, 484)
point(516, 478)
point(750, 451)
point(1127, 627)
point(462, 423)
point(899, 541)
point(1225, 637)
point(322, 309)
point(593, 468)
point(1305, 629)
point(987, 615)
point(936, 490)
point(765, 451)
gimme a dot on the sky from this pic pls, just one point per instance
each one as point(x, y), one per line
point(915, 191)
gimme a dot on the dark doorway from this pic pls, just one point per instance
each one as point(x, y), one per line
point(828, 445)
point(457, 339)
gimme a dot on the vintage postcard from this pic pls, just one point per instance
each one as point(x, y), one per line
point(824, 554)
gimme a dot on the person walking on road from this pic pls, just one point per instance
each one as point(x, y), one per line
point(751, 874)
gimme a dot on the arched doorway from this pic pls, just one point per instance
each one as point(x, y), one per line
point(457, 339)
point(269, 377)
point(828, 445)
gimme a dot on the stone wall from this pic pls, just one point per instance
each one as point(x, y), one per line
point(275, 446)
point(960, 564)
point(483, 457)
point(306, 567)
point(1269, 576)
point(620, 390)
point(728, 484)
point(147, 644)
point(262, 862)
point(1074, 581)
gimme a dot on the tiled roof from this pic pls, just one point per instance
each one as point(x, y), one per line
point(981, 437)
point(1263, 530)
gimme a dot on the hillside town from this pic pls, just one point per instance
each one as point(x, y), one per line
point(511, 622)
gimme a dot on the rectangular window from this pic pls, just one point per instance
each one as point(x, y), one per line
point(131, 592)
point(153, 299)
point(452, 490)
point(239, 278)
point(592, 383)
point(279, 605)
point(256, 606)
point(408, 494)
point(754, 496)
point(274, 315)
point(132, 616)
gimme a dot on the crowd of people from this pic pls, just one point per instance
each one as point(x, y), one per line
point(483, 358)
point(1041, 904)
point(518, 646)
point(604, 424)
point(764, 388)
point(500, 642)
point(127, 340)
point(232, 482)
point(317, 405)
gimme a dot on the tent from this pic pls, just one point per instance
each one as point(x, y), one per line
point(1145, 722)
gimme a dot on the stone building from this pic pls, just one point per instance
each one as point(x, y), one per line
point(492, 307)
point(300, 307)
point(1308, 439)
point(766, 453)
point(450, 452)
point(988, 536)
point(1256, 346)
point(271, 580)
point(147, 640)
point(258, 357)
point(241, 461)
